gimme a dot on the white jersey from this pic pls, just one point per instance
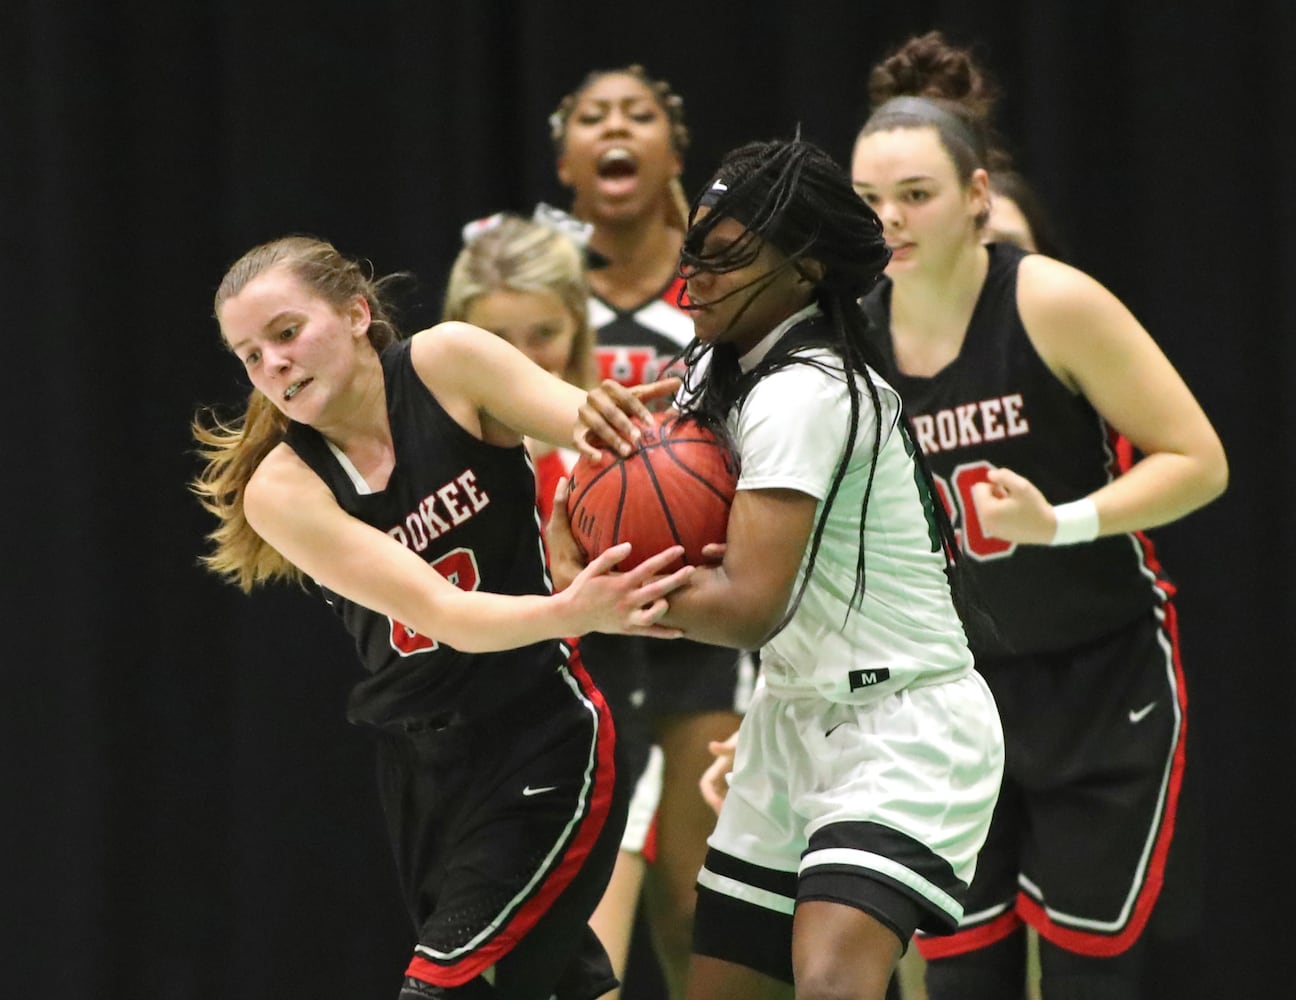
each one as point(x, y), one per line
point(790, 433)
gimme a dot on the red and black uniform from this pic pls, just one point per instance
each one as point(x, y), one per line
point(503, 802)
point(1078, 644)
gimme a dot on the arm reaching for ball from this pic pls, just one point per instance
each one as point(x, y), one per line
point(615, 416)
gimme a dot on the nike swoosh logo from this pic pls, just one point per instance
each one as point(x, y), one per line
point(833, 729)
point(528, 790)
point(1138, 714)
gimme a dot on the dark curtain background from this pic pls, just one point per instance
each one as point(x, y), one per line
point(186, 813)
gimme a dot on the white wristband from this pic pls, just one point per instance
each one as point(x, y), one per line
point(1077, 521)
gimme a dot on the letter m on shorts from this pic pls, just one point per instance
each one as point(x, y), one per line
point(867, 678)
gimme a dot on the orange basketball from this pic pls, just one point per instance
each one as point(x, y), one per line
point(674, 489)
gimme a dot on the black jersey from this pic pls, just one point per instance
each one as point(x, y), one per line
point(998, 405)
point(466, 507)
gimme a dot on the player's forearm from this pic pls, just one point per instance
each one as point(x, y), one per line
point(479, 622)
point(714, 608)
point(1158, 490)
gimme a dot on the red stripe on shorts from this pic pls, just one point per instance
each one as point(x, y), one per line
point(1107, 945)
point(573, 858)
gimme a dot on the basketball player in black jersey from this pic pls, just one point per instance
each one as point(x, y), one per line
point(1021, 375)
point(392, 474)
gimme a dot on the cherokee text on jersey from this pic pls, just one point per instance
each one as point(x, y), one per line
point(444, 508)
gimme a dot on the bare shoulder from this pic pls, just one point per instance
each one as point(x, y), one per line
point(282, 483)
point(1044, 283)
point(452, 359)
point(451, 343)
point(1071, 317)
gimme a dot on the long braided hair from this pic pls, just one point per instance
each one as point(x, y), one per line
point(793, 195)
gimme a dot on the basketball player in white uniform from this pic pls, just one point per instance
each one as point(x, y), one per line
point(869, 762)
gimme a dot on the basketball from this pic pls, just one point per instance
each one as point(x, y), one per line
point(675, 488)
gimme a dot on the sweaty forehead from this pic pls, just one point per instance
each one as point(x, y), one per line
point(276, 286)
point(725, 230)
point(616, 88)
point(724, 238)
point(273, 292)
point(885, 157)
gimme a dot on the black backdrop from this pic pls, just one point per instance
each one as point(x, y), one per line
point(185, 812)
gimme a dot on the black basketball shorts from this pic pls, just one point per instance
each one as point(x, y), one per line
point(1094, 762)
point(505, 833)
